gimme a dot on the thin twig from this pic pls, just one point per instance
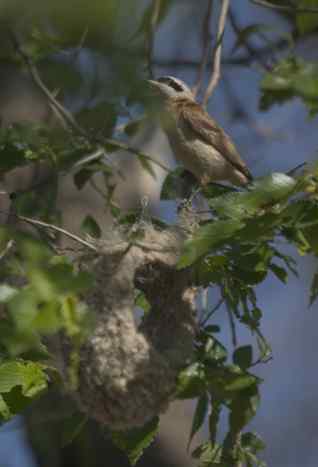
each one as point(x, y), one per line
point(288, 8)
point(205, 47)
point(217, 53)
point(74, 237)
point(211, 312)
point(6, 249)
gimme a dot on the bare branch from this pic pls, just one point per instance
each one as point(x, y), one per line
point(74, 237)
point(288, 8)
point(217, 53)
point(205, 47)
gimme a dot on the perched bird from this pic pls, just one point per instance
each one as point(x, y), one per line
point(195, 138)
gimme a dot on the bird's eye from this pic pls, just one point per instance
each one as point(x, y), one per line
point(172, 83)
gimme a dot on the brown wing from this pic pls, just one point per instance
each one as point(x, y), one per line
point(204, 126)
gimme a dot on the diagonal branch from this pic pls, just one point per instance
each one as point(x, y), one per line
point(205, 47)
point(55, 228)
point(217, 53)
point(288, 8)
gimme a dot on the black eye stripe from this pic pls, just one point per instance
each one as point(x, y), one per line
point(172, 83)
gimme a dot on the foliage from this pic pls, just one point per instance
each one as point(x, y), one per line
point(232, 251)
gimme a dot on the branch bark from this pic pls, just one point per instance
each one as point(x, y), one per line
point(205, 47)
point(217, 54)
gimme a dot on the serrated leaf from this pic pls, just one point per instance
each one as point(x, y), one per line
point(199, 416)
point(243, 356)
point(27, 375)
point(135, 441)
point(206, 239)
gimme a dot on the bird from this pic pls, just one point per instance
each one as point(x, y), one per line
point(196, 139)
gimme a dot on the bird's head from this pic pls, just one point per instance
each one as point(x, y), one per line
point(169, 87)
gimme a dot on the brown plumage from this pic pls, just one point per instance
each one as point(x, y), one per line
point(195, 138)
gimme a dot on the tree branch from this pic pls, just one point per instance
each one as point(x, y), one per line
point(205, 47)
point(36, 222)
point(217, 53)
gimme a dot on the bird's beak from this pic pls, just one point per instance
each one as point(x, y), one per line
point(153, 85)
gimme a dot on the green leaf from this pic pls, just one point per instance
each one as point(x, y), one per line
point(199, 416)
point(253, 442)
point(209, 454)
point(29, 375)
point(48, 319)
point(292, 77)
point(263, 193)
point(135, 441)
point(243, 357)
point(142, 302)
point(191, 382)
point(307, 22)
point(243, 408)
point(91, 227)
point(279, 272)
point(206, 239)
point(240, 382)
point(5, 413)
